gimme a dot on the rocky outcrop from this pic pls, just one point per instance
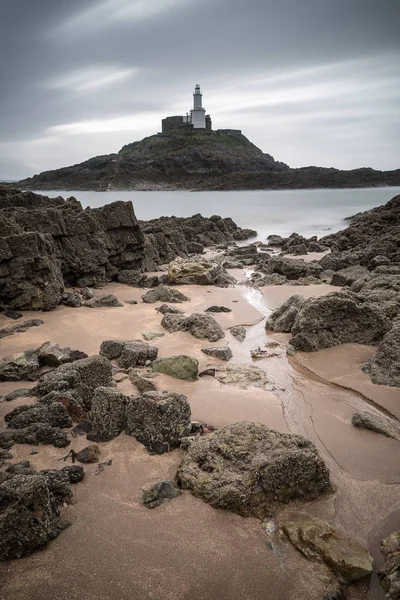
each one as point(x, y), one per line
point(389, 575)
point(35, 434)
point(282, 318)
point(384, 366)
point(318, 540)
point(54, 414)
point(291, 268)
point(158, 420)
point(180, 367)
point(251, 469)
point(48, 243)
point(198, 272)
point(199, 325)
point(338, 318)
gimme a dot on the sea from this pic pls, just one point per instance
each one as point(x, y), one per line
point(308, 212)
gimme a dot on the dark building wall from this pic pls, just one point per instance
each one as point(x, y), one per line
point(170, 123)
point(208, 122)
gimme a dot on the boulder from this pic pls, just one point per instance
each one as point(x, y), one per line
point(282, 318)
point(89, 454)
point(198, 272)
point(29, 515)
point(142, 379)
point(292, 268)
point(35, 434)
point(165, 308)
point(218, 309)
point(130, 277)
point(337, 318)
point(20, 367)
point(59, 484)
point(242, 375)
point(222, 352)
point(20, 393)
point(195, 248)
point(181, 367)
point(136, 354)
point(349, 275)
point(238, 332)
point(389, 575)
point(319, 540)
point(111, 348)
point(158, 420)
point(71, 299)
point(19, 327)
point(52, 355)
point(54, 414)
point(199, 325)
point(107, 414)
point(75, 473)
point(252, 470)
point(103, 300)
point(164, 294)
point(12, 314)
point(159, 493)
point(365, 420)
point(152, 335)
point(384, 366)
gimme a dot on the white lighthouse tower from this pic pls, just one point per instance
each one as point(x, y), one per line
point(198, 113)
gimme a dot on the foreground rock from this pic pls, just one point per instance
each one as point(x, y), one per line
point(158, 420)
point(50, 242)
point(159, 493)
point(164, 294)
point(20, 367)
point(201, 326)
point(107, 414)
point(282, 319)
point(103, 300)
point(35, 434)
point(29, 514)
point(365, 420)
point(198, 272)
point(384, 366)
point(223, 352)
point(130, 353)
point(54, 414)
point(318, 540)
point(389, 575)
point(181, 367)
point(251, 469)
point(337, 318)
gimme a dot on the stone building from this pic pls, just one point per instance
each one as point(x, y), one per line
point(196, 119)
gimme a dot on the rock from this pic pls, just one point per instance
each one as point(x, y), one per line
point(337, 318)
point(19, 327)
point(282, 318)
point(29, 515)
point(348, 275)
point(107, 414)
point(318, 540)
point(292, 268)
point(378, 261)
point(218, 309)
point(251, 469)
point(21, 468)
point(54, 414)
point(130, 277)
point(242, 375)
point(384, 366)
point(164, 294)
point(159, 493)
point(389, 575)
point(59, 485)
point(142, 380)
point(195, 248)
point(52, 355)
point(71, 299)
point(231, 264)
point(275, 240)
point(82, 428)
point(198, 272)
point(20, 393)
point(136, 354)
point(181, 367)
point(223, 352)
point(164, 309)
point(238, 332)
point(12, 314)
point(365, 420)
point(103, 300)
point(158, 420)
point(75, 473)
point(35, 434)
point(111, 348)
point(80, 378)
point(20, 367)
point(272, 279)
point(152, 335)
point(131, 302)
point(90, 454)
point(199, 325)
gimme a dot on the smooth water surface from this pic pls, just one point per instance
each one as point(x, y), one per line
point(309, 212)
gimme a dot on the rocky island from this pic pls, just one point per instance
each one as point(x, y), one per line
point(247, 394)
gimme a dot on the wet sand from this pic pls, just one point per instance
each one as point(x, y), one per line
point(116, 549)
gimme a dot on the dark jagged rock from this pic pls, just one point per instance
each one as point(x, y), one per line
point(19, 327)
point(12, 314)
point(389, 575)
point(29, 514)
point(107, 414)
point(164, 294)
point(59, 485)
point(21, 468)
point(198, 272)
point(158, 420)
point(238, 332)
point(291, 268)
point(142, 378)
point(20, 367)
point(90, 454)
point(384, 366)
point(51, 242)
point(199, 325)
point(37, 433)
point(75, 473)
point(338, 318)
point(52, 355)
point(251, 469)
point(181, 367)
point(282, 318)
point(349, 275)
point(223, 352)
point(165, 308)
point(218, 309)
point(159, 493)
point(20, 393)
point(103, 300)
point(129, 353)
point(71, 299)
point(54, 414)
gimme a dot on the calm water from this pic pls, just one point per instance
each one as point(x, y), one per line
point(309, 212)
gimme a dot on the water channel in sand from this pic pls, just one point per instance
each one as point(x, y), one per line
point(118, 550)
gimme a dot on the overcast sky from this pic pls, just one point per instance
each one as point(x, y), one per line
point(308, 81)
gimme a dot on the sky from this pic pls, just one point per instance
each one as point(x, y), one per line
point(312, 82)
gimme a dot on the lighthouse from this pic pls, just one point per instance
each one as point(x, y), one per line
point(198, 113)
